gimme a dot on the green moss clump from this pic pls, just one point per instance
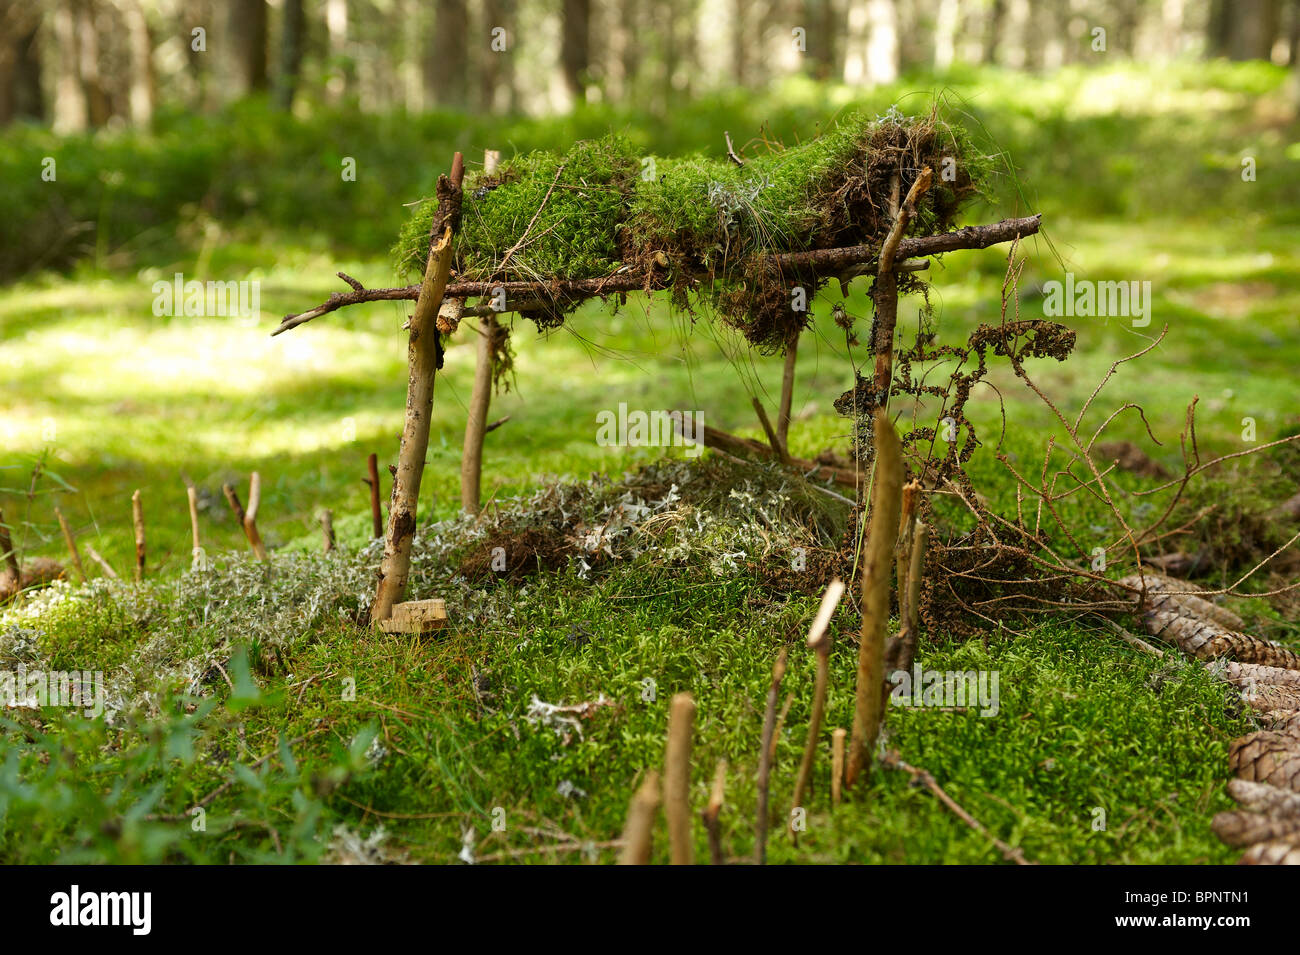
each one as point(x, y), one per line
point(581, 215)
point(579, 199)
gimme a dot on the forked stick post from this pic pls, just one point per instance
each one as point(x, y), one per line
point(423, 355)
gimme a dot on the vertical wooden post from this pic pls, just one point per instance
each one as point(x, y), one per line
point(376, 514)
point(877, 567)
point(480, 400)
point(327, 528)
point(677, 779)
point(423, 355)
point(787, 393)
point(72, 544)
point(639, 827)
point(137, 518)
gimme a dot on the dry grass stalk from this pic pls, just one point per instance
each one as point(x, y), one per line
point(882, 534)
point(765, 759)
point(71, 542)
point(677, 779)
point(819, 642)
point(638, 829)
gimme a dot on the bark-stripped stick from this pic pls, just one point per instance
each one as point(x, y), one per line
point(827, 262)
point(9, 554)
point(104, 565)
point(886, 493)
point(819, 642)
point(765, 759)
point(250, 516)
point(490, 334)
point(327, 529)
point(423, 354)
point(71, 541)
point(885, 295)
point(137, 518)
point(376, 513)
point(710, 813)
point(638, 829)
point(838, 736)
point(677, 779)
point(787, 394)
point(192, 493)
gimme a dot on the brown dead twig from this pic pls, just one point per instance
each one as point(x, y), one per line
point(1035, 561)
point(891, 760)
point(828, 262)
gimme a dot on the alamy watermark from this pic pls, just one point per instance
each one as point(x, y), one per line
point(195, 299)
point(1084, 298)
point(72, 688)
point(946, 688)
point(649, 429)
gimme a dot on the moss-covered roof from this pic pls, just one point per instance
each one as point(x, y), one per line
point(603, 205)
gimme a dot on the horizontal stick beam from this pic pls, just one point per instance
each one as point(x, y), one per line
point(821, 262)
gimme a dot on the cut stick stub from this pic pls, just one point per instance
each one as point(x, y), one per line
point(416, 616)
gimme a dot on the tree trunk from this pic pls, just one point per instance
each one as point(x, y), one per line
point(882, 42)
point(341, 72)
point(446, 67)
point(71, 112)
point(247, 29)
point(291, 44)
point(423, 354)
point(575, 51)
point(142, 90)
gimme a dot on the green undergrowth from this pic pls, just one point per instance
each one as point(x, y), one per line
point(250, 691)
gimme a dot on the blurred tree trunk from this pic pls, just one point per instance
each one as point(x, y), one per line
point(342, 73)
point(740, 41)
point(631, 50)
point(820, 22)
point(993, 30)
point(575, 49)
point(1243, 29)
point(142, 90)
point(97, 100)
point(71, 112)
point(292, 38)
point(20, 64)
point(882, 42)
point(246, 25)
point(946, 20)
point(446, 65)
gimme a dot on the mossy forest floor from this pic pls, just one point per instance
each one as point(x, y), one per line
point(251, 691)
